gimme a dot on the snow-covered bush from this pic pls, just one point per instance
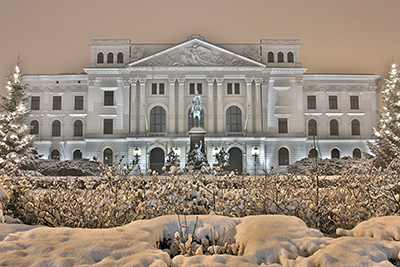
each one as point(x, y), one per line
point(115, 198)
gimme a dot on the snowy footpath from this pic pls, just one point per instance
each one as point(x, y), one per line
point(267, 240)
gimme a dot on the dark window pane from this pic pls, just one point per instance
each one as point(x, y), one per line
point(200, 88)
point(77, 154)
point(270, 57)
point(290, 57)
point(334, 127)
point(280, 57)
point(120, 58)
point(100, 58)
point(35, 102)
point(311, 102)
point(34, 127)
point(158, 120)
point(191, 88)
point(55, 154)
point(354, 102)
point(56, 102)
point(108, 98)
point(108, 126)
point(229, 88)
point(357, 153)
point(153, 88)
point(335, 154)
point(110, 58)
point(162, 88)
point(312, 127)
point(56, 129)
point(283, 156)
point(78, 128)
point(237, 88)
point(108, 157)
point(355, 127)
point(233, 119)
point(282, 125)
point(78, 102)
point(333, 103)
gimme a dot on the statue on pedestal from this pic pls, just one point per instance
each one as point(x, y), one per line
point(196, 112)
point(172, 159)
point(222, 157)
point(196, 158)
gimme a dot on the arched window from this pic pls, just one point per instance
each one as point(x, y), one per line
point(56, 128)
point(290, 57)
point(312, 127)
point(313, 153)
point(270, 57)
point(357, 153)
point(355, 127)
point(77, 154)
point(233, 119)
point(280, 57)
point(55, 154)
point(158, 120)
point(191, 120)
point(78, 128)
point(100, 58)
point(335, 154)
point(334, 127)
point(35, 127)
point(110, 58)
point(120, 57)
point(283, 156)
point(108, 156)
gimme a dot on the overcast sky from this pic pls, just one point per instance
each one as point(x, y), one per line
point(338, 36)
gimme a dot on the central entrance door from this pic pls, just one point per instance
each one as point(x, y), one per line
point(157, 159)
point(235, 160)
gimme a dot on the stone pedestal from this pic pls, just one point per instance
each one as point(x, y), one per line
point(196, 135)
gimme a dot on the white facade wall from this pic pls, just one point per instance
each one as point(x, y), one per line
point(269, 91)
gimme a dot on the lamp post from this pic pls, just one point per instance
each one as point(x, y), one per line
point(255, 152)
point(136, 154)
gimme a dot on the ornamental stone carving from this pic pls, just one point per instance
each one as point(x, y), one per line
point(196, 53)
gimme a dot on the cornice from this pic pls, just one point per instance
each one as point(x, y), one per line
point(51, 77)
point(341, 77)
point(286, 71)
point(108, 71)
point(195, 69)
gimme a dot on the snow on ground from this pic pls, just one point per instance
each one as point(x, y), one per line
point(267, 240)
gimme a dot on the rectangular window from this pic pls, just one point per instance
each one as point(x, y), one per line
point(229, 89)
point(354, 102)
point(333, 102)
point(35, 103)
point(79, 102)
point(108, 98)
point(282, 125)
point(56, 102)
point(161, 89)
point(153, 88)
point(311, 102)
point(200, 88)
point(237, 88)
point(191, 88)
point(108, 126)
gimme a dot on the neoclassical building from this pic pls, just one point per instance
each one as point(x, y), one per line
point(135, 99)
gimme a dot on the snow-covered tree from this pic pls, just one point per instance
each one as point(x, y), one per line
point(387, 147)
point(15, 140)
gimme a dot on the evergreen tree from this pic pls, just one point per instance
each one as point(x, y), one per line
point(387, 147)
point(15, 140)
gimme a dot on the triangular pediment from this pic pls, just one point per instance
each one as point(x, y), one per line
point(196, 52)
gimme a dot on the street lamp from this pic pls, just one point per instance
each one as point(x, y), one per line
point(136, 153)
point(255, 152)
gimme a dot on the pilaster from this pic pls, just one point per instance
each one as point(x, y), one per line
point(143, 120)
point(133, 106)
point(258, 117)
point(264, 105)
point(172, 117)
point(220, 115)
point(249, 106)
point(181, 105)
point(210, 105)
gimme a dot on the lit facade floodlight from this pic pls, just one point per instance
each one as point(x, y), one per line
point(215, 151)
point(255, 152)
point(136, 153)
point(177, 151)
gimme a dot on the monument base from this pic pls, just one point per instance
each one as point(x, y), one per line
point(197, 158)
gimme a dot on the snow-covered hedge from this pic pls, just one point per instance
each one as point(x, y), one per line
point(116, 199)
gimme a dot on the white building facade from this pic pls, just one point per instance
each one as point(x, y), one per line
point(138, 96)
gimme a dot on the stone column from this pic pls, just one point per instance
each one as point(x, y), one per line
point(264, 105)
point(181, 106)
point(249, 107)
point(210, 105)
point(172, 104)
point(220, 115)
point(258, 117)
point(133, 107)
point(143, 120)
point(271, 103)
